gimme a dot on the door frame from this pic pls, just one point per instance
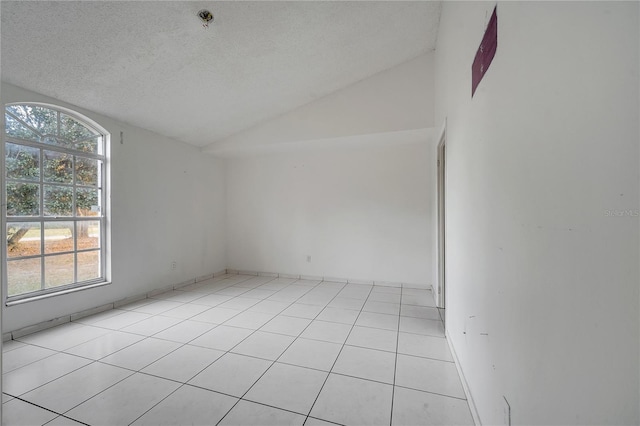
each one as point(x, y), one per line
point(441, 214)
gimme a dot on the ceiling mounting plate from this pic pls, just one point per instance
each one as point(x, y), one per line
point(206, 17)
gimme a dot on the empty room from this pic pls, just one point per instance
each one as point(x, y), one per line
point(320, 213)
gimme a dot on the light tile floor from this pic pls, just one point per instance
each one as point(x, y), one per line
point(242, 350)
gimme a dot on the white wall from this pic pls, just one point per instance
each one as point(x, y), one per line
point(360, 212)
point(542, 284)
point(398, 99)
point(348, 179)
point(167, 205)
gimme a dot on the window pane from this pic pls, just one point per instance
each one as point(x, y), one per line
point(86, 171)
point(58, 200)
point(72, 130)
point(22, 162)
point(88, 232)
point(23, 199)
point(58, 270)
point(18, 130)
point(23, 239)
point(54, 140)
point(57, 167)
point(88, 265)
point(87, 202)
point(23, 276)
point(44, 120)
point(93, 145)
point(58, 237)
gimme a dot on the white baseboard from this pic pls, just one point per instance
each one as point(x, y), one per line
point(128, 300)
point(336, 280)
point(40, 326)
point(311, 278)
point(205, 277)
point(387, 284)
point(156, 292)
point(184, 284)
point(331, 279)
point(289, 276)
point(92, 311)
point(465, 385)
point(416, 286)
point(362, 282)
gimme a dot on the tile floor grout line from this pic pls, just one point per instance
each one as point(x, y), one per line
point(5, 342)
point(182, 384)
point(185, 344)
point(66, 417)
point(307, 326)
point(124, 326)
point(52, 349)
point(144, 337)
point(216, 325)
point(49, 410)
point(268, 405)
point(255, 357)
point(322, 420)
point(211, 390)
point(422, 334)
point(159, 402)
point(139, 371)
point(426, 357)
point(254, 330)
point(135, 343)
point(339, 352)
point(120, 330)
point(103, 390)
point(244, 328)
point(273, 362)
point(32, 362)
point(432, 393)
point(315, 293)
point(66, 374)
point(50, 381)
point(118, 366)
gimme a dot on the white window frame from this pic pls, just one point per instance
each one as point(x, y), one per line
point(103, 217)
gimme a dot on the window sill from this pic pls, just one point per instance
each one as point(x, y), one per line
point(54, 294)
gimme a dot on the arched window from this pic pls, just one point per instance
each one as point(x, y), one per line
point(54, 194)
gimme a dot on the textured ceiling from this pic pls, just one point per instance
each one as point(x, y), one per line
point(152, 64)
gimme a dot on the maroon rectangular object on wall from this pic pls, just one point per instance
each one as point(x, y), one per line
point(486, 52)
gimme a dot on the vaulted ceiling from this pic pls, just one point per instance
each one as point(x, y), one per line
point(153, 65)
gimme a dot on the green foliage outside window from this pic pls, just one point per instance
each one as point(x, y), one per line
point(24, 164)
